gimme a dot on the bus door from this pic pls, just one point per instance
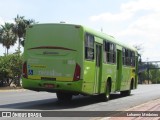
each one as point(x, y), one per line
point(119, 70)
point(98, 52)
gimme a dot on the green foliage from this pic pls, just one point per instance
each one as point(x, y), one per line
point(9, 32)
point(19, 28)
point(21, 24)
point(153, 76)
point(11, 65)
point(10, 70)
point(7, 37)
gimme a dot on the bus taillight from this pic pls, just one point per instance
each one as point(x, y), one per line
point(77, 73)
point(25, 70)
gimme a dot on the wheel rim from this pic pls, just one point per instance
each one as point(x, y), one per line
point(107, 91)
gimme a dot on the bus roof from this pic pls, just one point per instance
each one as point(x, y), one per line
point(95, 33)
point(108, 38)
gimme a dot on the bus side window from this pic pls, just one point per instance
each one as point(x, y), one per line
point(114, 54)
point(132, 58)
point(107, 46)
point(128, 57)
point(89, 47)
point(124, 60)
point(110, 52)
point(107, 51)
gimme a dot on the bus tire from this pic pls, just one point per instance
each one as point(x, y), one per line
point(106, 96)
point(64, 97)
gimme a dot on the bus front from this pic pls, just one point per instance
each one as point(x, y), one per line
point(53, 59)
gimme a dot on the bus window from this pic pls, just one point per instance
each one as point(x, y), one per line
point(128, 57)
point(132, 58)
point(110, 52)
point(89, 47)
point(124, 61)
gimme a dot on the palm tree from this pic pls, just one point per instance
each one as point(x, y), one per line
point(7, 37)
point(20, 28)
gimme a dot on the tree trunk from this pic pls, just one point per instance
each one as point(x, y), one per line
point(7, 51)
point(19, 46)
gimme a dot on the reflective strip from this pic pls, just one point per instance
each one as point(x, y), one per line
point(36, 77)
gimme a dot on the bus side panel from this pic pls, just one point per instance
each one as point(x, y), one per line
point(109, 70)
point(89, 76)
point(126, 78)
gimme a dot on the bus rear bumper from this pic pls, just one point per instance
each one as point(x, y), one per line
point(52, 86)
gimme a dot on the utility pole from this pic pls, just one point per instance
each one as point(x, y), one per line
point(148, 73)
point(148, 70)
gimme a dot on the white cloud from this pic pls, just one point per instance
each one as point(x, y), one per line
point(137, 5)
point(146, 27)
point(1, 21)
point(141, 25)
point(128, 10)
point(111, 17)
point(145, 30)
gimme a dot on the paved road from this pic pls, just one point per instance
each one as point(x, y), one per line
point(29, 100)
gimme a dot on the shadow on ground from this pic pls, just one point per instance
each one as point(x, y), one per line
point(53, 104)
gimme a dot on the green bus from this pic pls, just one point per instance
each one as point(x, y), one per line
point(72, 59)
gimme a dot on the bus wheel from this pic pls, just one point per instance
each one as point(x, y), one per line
point(64, 97)
point(106, 96)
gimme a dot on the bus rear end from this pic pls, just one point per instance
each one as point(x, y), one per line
point(53, 59)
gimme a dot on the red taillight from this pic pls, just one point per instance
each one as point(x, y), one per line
point(77, 73)
point(25, 70)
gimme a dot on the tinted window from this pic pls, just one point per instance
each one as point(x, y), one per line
point(89, 47)
point(109, 52)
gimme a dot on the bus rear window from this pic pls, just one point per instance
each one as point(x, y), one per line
point(89, 47)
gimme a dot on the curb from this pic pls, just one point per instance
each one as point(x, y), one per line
point(12, 90)
point(153, 105)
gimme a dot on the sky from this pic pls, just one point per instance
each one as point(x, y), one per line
point(133, 22)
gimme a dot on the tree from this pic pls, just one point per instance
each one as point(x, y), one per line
point(10, 70)
point(20, 28)
point(7, 36)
